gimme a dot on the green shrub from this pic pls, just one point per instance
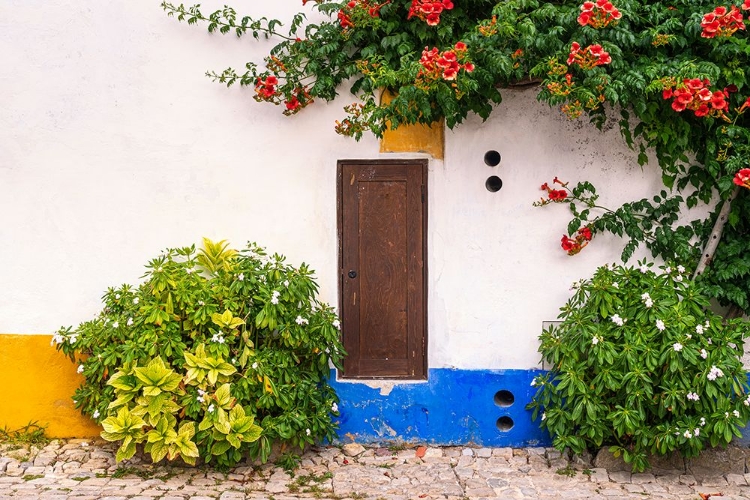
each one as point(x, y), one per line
point(639, 362)
point(216, 354)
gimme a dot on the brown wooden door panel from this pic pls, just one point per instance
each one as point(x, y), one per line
point(382, 224)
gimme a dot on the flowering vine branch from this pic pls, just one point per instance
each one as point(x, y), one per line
point(676, 73)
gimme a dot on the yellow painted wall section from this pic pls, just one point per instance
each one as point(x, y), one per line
point(416, 138)
point(38, 384)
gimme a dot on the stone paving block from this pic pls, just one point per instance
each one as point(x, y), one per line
point(599, 475)
point(641, 478)
point(505, 453)
point(621, 477)
point(714, 481)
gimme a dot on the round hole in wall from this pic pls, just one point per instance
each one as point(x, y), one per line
point(493, 184)
point(504, 398)
point(492, 158)
point(504, 424)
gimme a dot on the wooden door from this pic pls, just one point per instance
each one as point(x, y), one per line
point(382, 234)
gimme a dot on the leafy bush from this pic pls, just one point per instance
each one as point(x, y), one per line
point(209, 344)
point(640, 363)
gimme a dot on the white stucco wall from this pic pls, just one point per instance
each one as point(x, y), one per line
point(114, 146)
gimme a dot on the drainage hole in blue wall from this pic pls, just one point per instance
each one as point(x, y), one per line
point(504, 424)
point(504, 398)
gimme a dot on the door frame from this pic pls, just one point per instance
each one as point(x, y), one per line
point(423, 163)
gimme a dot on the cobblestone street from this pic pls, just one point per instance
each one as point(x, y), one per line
point(85, 469)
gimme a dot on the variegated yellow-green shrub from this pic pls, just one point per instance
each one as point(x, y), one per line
point(216, 355)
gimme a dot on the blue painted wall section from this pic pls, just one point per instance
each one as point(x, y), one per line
point(452, 407)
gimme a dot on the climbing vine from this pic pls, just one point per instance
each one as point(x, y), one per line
point(673, 73)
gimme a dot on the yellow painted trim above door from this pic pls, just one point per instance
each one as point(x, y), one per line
point(416, 138)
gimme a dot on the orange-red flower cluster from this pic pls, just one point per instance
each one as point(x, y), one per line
point(573, 246)
point(723, 22)
point(599, 14)
point(429, 11)
point(445, 65)
point(742, 178)
point(589, 57)
point(345, 15)
point(265, 89)
point(298, 101)
point(555, 194)
point(694, 94)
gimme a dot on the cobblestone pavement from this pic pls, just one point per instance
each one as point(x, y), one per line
point(85, 469)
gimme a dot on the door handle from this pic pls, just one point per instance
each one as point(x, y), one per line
point(352, 274)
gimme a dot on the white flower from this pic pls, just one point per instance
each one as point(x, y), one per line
point(747, 401)
point(116, 324)
point(595, 340)
point(643, 268)
point(714, 373)
point(533, 382)
point(130, 322)
point(211, 408)
point(200, 399)
point(736, 413)
point(80, 369)
point(301, 321)
point(190, 270)
point(697, 432)
point(241, 277)
point(201, 303)
point(645, 296)
point(286, 283)
point(688, 434)
point(136, 300)
point(255, 366)
point(678, 278)
point(688, 336)
point(73, 339)
point(709, 341)
point(57, 339)
point(703, 421)
point(660, 325)
point(707, 324)
point(726, 414)
point(335, 408)
point(234, 361)
point(96, 414)
point(677, 346)
point(201, 392)
point(275, 297)
point(617, 320)
point(616, 285)
point(544, 416)
point(307, 431)
point(648, 303)
point(704, 354)
point(680, 268)
point(699, 329)
point(693, 396)
point(217, 337)
point(336, 324)
point(668, 270)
